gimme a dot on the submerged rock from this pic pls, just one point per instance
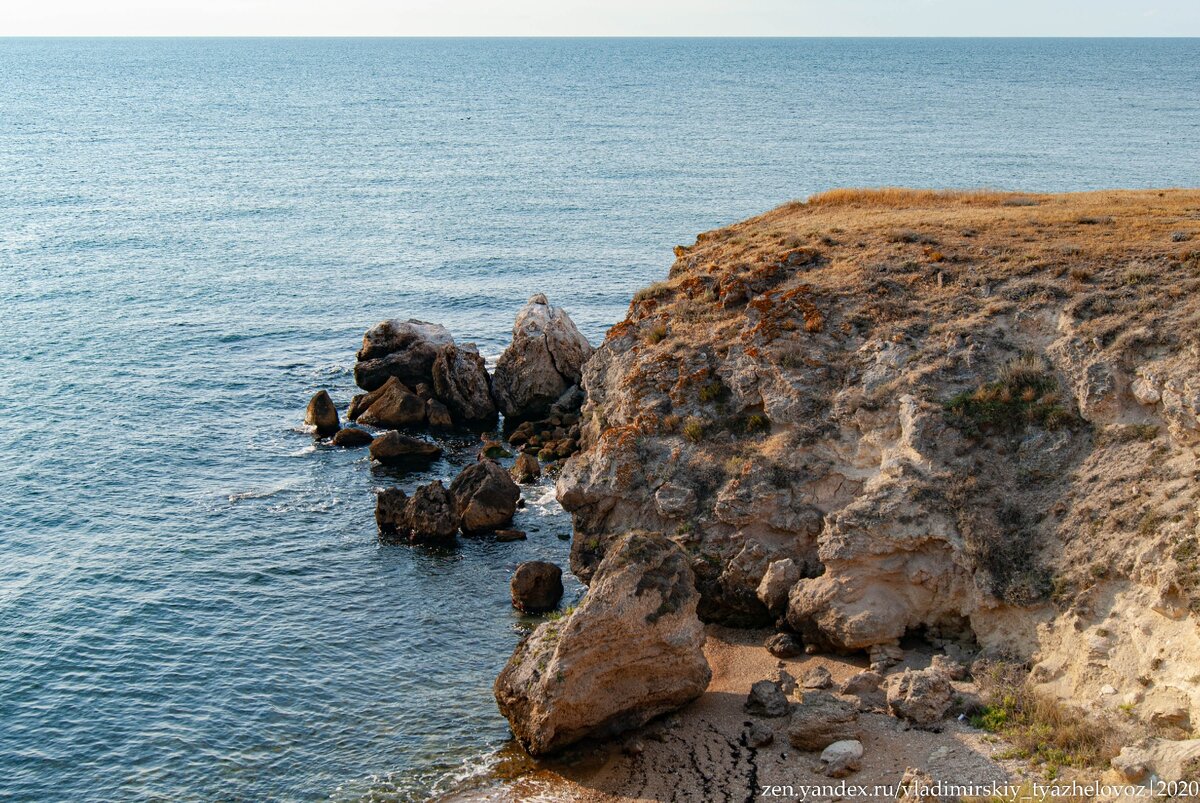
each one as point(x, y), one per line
point(402, 349)
point(545, 358)
point(485, 497)
point(395, 447)
point(394, 405)
point(427, 517)
point(322, 414)
point(461, 382)
point(350, 437)
point(536, 586)
point(632, 650)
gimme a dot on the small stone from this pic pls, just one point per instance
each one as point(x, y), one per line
point(787, 683)
point(862, 682)
point(817, 678)
point(766, 699)
point(842, 758)
point(949, 667)
point(759, 735)
point(634, 747)
point(784, 645)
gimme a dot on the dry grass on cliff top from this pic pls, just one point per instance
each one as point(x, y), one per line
point(894, 257)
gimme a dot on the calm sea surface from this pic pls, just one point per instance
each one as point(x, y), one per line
point(195, 233)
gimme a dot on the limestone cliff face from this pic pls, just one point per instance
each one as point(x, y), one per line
point(976, 416)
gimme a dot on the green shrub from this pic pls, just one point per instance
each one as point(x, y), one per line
point(1024, 393)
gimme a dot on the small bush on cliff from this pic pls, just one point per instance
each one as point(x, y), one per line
point(693, 429)
point(1040, 728)
point(1024, 393)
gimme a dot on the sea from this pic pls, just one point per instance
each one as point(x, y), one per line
point(194, 234)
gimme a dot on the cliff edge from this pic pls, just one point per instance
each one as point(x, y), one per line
point(969, 416)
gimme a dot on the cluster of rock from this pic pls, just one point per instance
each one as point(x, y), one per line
point(825, 720)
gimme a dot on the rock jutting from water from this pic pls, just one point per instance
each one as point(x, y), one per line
point(630, 651)
point(545, 358)
point(322, 414)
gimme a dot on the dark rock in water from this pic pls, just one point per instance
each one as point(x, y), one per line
point(427, 517)
point(536, 586)
point(437, 415)
point(351, 437)
point(510, 535)
point(526, 469)
point(403, 349)
point(359, 404)
point(784, 645)
point(393, 447)
point(395, 405)
point(461, 381)
point(767, 699)
point(485, 497)
point(545, 358)
point(322, 414)
point(493, 450)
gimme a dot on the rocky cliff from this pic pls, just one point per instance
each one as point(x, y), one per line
point(969, 416)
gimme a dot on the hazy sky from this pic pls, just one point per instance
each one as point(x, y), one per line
point(603, 17)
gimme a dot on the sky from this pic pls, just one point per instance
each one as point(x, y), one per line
point(599, 18)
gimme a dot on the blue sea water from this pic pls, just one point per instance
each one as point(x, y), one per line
point(195, 233)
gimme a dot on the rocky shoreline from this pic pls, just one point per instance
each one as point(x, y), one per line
point(964, 421)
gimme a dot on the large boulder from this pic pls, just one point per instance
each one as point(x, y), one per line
point(395, 447)
point(525, 469)
point(536, 586)
point(403, 349)
point(394, 405)
point(485, 497)
point(631, 651)
point(545, 358)
point(461, 382)
point(321, 414)
point(922, 697)
point(426, 517)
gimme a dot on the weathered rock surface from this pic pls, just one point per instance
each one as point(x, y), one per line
point(632, 650)
point(396, 447)
point(403, 349)
point(461, 382)
point(350, 437)
point(321, 414)
point(766, 699)
point(820, 719)
point(525, 468)
point(438, 415)
point(536, 586)
point(816, 678)
point(545, 358)
point(393, 405)
point(841, 758)
point(784, 645)
point(485, 497)
point(427, 517)
point(922, 697)
point(938, 440)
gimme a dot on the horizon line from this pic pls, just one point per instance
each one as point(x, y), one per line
point(571, 36)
